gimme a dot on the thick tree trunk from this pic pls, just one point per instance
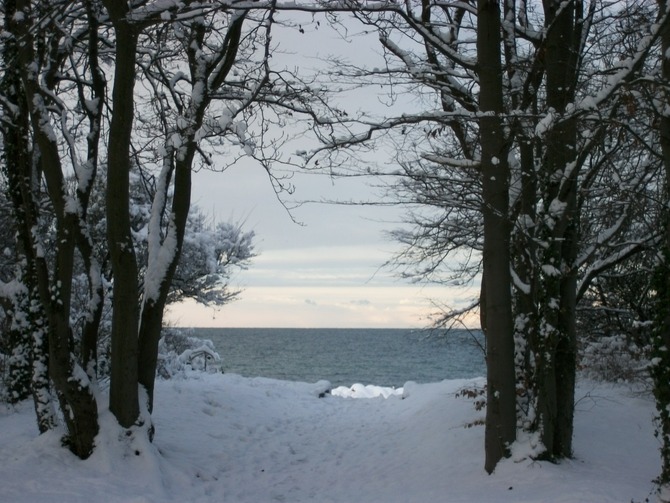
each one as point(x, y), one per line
point(123, 392)
point(17, 161)
point(42, 399)
point(31, 329)
point(501, 395)
point(20, 360)
point(554, 346)
point(566, 349)
point(661, 341)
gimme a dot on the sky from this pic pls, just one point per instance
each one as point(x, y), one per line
point(325, 271)
point(321, 264)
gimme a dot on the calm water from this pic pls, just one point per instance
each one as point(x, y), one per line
point(347, 356)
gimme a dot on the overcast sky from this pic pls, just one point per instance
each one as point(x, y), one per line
point(325, 272)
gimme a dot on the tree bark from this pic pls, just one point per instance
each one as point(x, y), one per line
point(78, 403)
point(123, 392)
point(501, 396)
point(660, 371)
point(524, 254)
point(17, 162)
point(151, 323)
point(555, 348)
point(91, 328)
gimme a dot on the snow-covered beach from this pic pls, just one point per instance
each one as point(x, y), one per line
point(227, 438)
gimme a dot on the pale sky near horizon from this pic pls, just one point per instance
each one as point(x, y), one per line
point(326, 272)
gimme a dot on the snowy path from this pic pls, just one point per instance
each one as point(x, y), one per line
point(224, 438)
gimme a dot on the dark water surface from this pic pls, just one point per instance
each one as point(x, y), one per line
point(385, 357)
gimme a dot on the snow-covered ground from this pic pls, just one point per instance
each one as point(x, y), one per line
point(226, 439)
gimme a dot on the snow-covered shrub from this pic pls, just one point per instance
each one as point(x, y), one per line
point(178, 352)
point(614, 359)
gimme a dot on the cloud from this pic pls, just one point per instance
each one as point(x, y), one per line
point(400, 306)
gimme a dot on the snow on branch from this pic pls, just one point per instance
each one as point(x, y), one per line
point(609, 261)
point(451, 161)
point(161, 252)
point(624, 72)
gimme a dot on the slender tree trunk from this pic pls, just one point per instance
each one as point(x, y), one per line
point(151, 323)
point(209, 79)
point(525, 294)
point(91, 328)
point(501, 395)
point(79, 405)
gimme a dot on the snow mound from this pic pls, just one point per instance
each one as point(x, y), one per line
point(365, 391)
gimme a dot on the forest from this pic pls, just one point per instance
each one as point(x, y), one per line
point(536, 157)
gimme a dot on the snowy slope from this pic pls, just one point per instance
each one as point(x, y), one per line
point(225, 438)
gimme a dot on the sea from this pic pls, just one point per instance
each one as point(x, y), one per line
point(382, 357)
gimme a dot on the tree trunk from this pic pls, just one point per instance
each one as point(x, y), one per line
point(123, 392)
point(91, 328)
point(660, 371)
point(17, 161)
point(79, 405)
point(42, 399)
point(501, 396)
point(554, 346)
point(566, 349)
point(151, 322)
point(525, 294)
point(209, 79)
point(19, 364)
